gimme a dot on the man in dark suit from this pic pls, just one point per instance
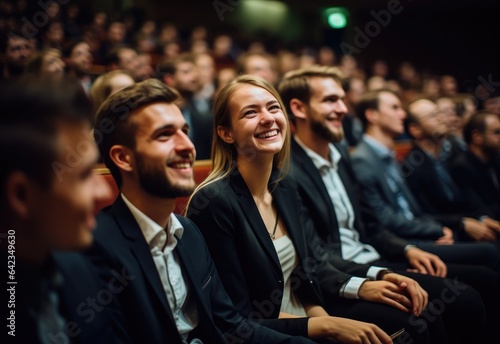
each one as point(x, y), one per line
point(478, 173)
point(173, 292)
point(47, 204)
point(78, 57)
point(330, 190)
point(183, 75)
point(426, 170)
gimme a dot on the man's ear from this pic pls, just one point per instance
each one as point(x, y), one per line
point(477, 137)
point(168, 80)
point(371, 116)
point(414, 130)
point(122, 157)
point(18, 193)
point(225, 134)
point(299, 108)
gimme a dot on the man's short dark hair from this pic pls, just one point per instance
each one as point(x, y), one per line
point(476, 122)
point(114, 115)
point(113, 56)
point(170, 67)
point(31, 113)
point(6, 37)
point(370, 100)
point(68, 49)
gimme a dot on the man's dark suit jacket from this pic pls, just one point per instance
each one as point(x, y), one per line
point(422, 179)
point(245, 255)
point(121, 250)
point(477, 185)
point(201, 129)
point(84, 324)
point(321, 210)
point(381, 200)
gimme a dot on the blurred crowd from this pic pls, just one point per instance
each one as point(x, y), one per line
point(53, 40)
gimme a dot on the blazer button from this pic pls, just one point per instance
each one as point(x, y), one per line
point(280, 281)
point(311, 282)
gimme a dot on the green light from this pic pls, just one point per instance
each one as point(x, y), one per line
point(337, 17)
point(337, 20)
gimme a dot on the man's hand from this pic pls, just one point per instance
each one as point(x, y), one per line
point(426, 263)
point(478, 230)
point(447, 238)
point(397, 291)
point(491, 224)
point(343, 330)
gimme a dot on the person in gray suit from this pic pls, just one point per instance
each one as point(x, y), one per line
point(385, 194)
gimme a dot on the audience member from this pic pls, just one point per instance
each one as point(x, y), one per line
point(15, 50)
point(260, 64)
point(108, 84)
point(126, 57)
point(223, 52)
point(493, 105)
point(47, 207)
point(206, 70)
point(326, 56)
point(477, 174)
point(53, 35)
point(78, 57)
point(183, 75)
point(454, 122)
point(448, 86)
point(354, 89)
point(46, 64)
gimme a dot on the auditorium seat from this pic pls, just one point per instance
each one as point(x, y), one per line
point(201, 170)
point(402, 148)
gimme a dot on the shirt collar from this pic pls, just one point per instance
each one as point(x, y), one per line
point(318, 160)
point(380, 150)
point(149, 228)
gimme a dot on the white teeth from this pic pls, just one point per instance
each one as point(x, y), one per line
point(181, 165)
point(268, 134)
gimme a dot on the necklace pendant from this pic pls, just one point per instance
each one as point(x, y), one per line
point(272, 236)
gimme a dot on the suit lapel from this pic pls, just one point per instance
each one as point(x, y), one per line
point(251, 212)
point(140, 250)
point(379, 171)
point(284, 203)
point(307, 166)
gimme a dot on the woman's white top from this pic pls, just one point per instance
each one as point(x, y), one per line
point(288, 260)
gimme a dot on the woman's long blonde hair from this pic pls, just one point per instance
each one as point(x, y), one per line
point(224, 155)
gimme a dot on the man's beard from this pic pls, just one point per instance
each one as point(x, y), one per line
point(491, 150)
point(320, 129)
point(80, 72)
point(155, 182)
point(14, 69)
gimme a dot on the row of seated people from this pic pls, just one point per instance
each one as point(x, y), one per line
point(279, 265)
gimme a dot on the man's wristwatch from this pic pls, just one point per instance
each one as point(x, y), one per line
point(382, 273)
